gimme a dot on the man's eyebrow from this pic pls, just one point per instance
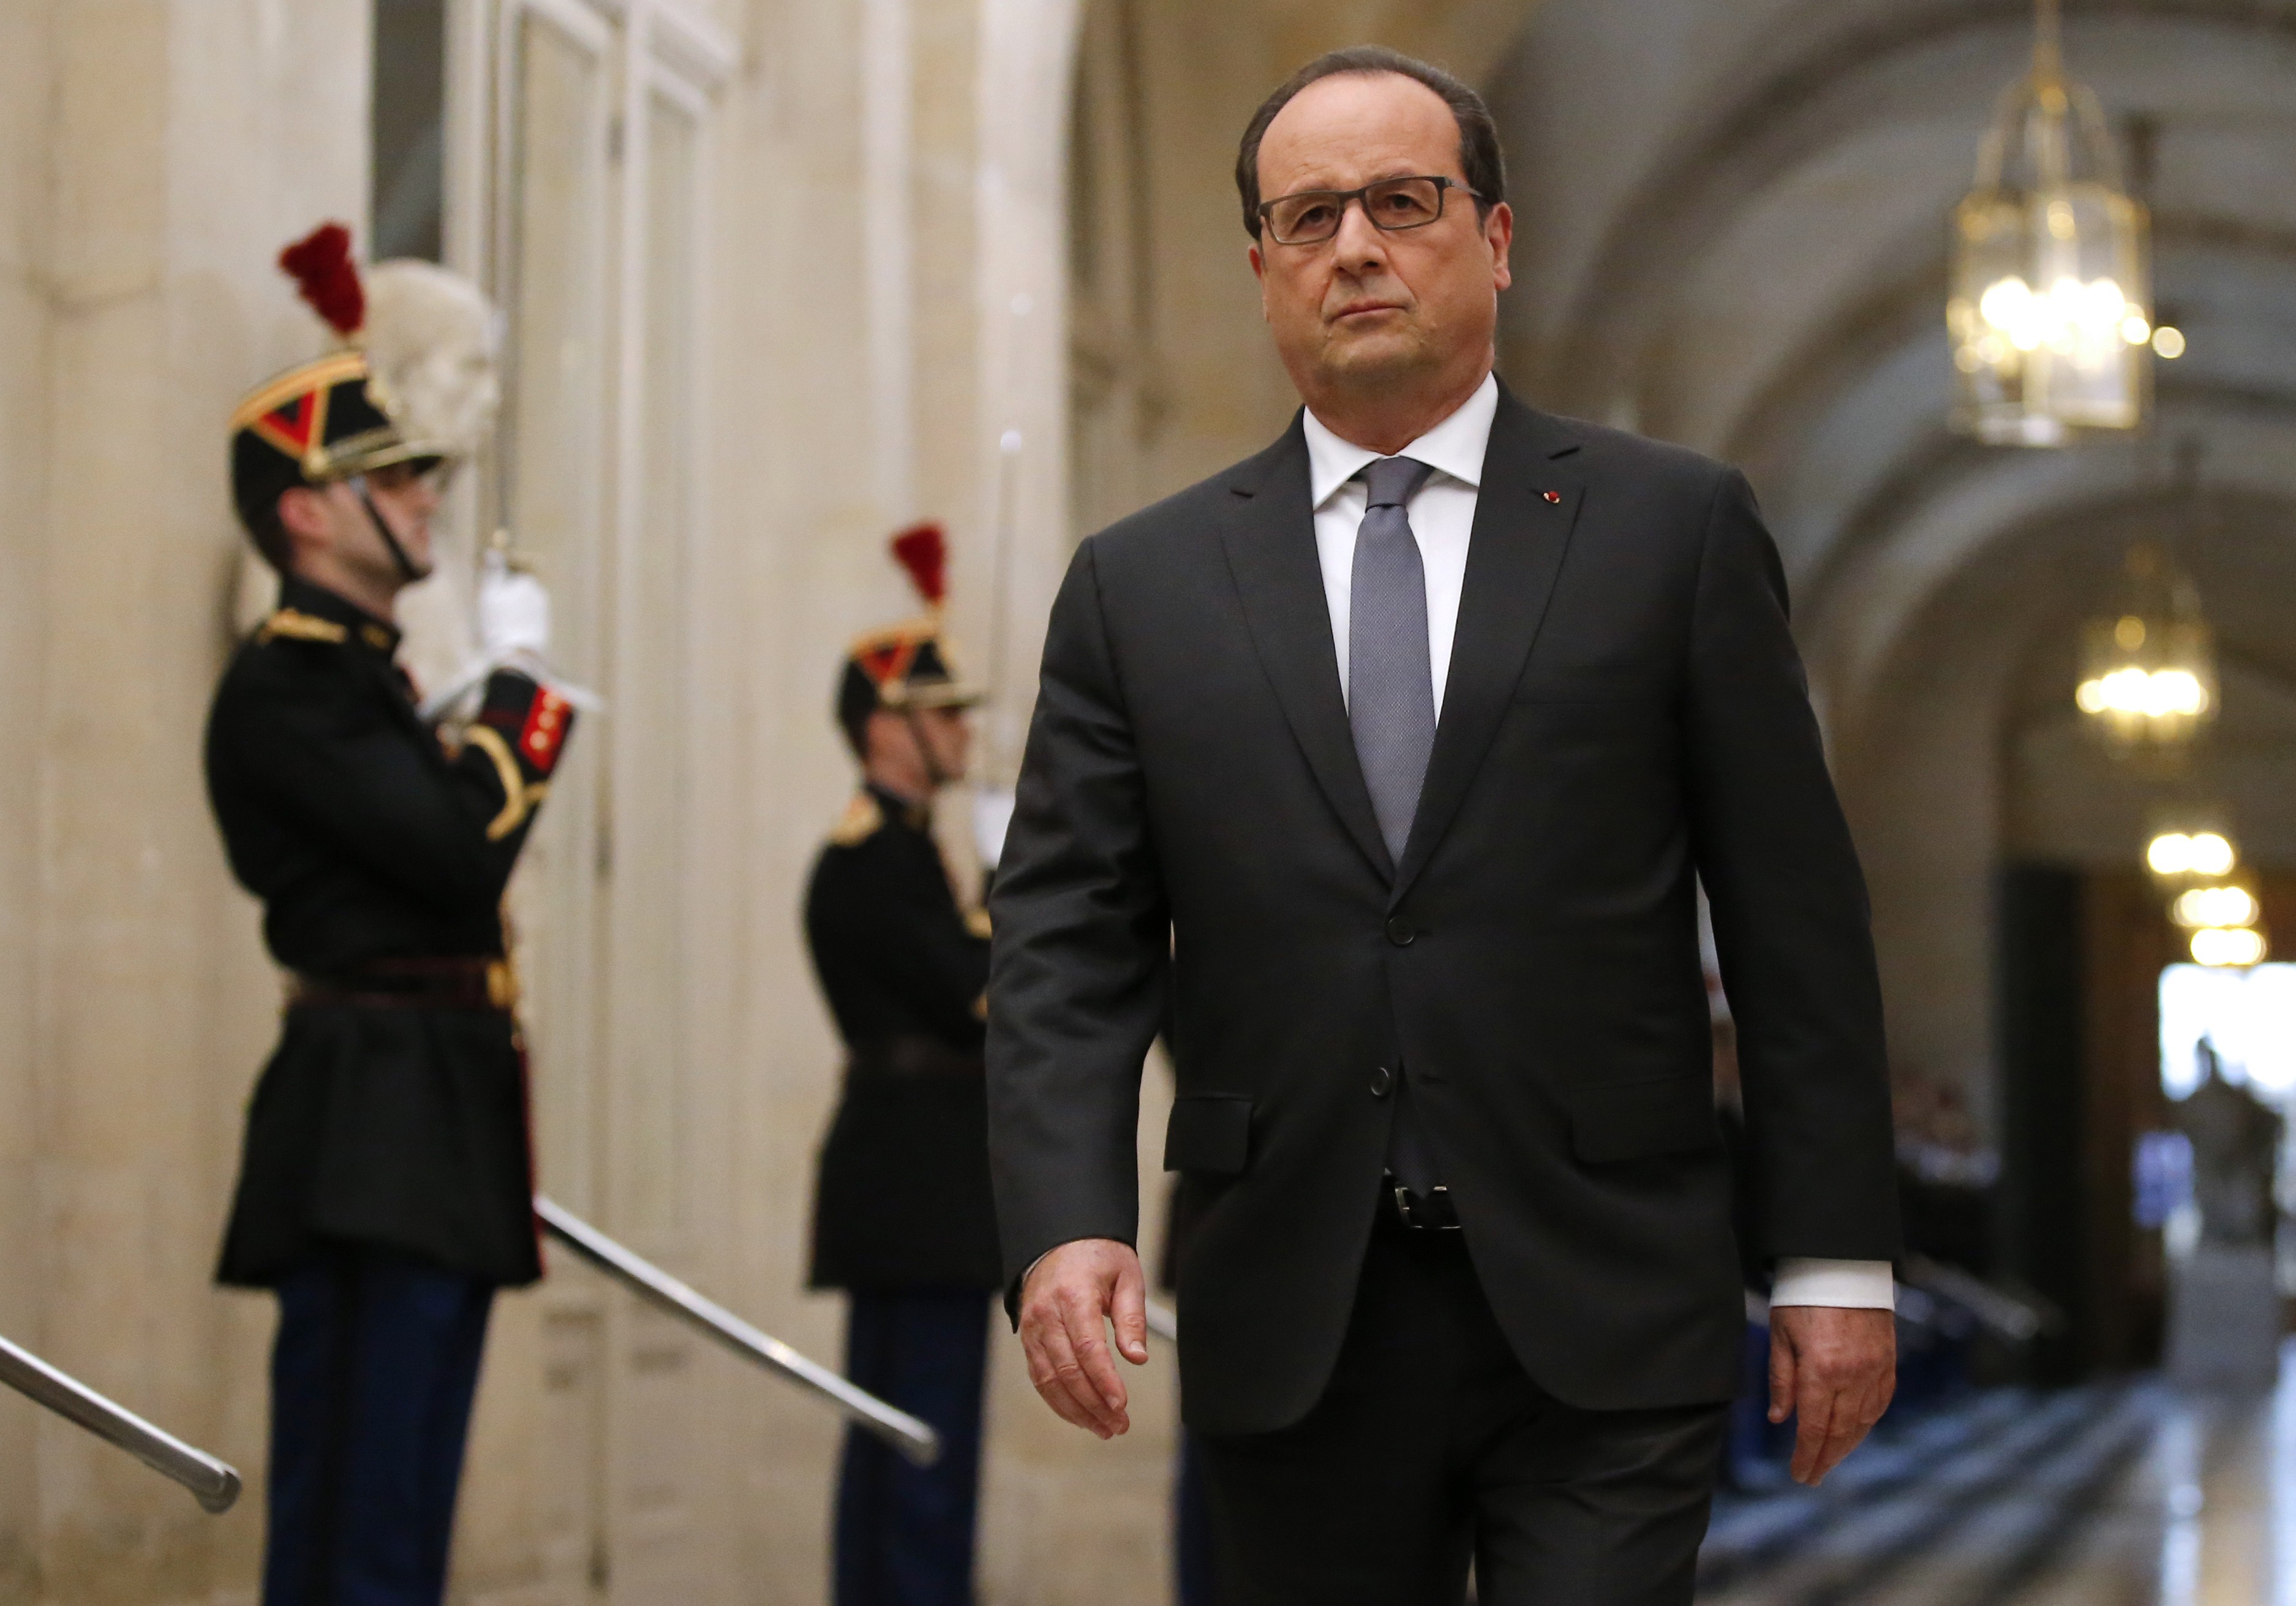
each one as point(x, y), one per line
point(1401, 170)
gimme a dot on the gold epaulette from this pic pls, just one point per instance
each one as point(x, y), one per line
point(862, 820)
point(300, 627)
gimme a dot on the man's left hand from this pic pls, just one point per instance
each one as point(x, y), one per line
point(1834, 1369)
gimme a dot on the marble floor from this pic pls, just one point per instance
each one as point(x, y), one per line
point(2118, 1494)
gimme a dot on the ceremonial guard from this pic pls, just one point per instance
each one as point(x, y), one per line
point(386, 1187)
point(903, 1219)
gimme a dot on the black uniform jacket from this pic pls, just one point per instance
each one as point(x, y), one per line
point(399, 1122)
point(1625, 713)
point(904, 1201)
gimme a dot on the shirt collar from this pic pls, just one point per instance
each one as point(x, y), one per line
point(1455, 447)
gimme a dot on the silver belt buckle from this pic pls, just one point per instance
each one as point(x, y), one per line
point(1405, 1213)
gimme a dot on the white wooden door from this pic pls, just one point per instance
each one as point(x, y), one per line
point(593, 141)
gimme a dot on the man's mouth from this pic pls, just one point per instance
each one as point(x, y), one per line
point(1365, 309)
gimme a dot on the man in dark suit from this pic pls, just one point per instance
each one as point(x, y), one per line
point(1388, 762)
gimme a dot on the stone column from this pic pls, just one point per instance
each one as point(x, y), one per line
point(185, 143)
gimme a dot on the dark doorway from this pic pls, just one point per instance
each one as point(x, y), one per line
point(2040, 998)
point(2078, 956)
point(409, 130)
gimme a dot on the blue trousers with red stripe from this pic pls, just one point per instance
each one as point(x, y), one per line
point(372, 1380)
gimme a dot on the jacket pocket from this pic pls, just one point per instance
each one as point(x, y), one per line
point(1634, 1120)
point(1209, 1134)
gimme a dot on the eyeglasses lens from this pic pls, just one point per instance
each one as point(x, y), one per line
point(1312, 216)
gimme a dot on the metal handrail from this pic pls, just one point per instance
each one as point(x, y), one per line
point(915, 1440)
point(214, 1484)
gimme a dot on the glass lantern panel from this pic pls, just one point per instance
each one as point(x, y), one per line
point(2084, 367)
point(2050, 314)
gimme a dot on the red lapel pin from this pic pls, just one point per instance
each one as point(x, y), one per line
point(1551, 496)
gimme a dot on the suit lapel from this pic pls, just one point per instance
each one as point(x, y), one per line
point(1271, 555)
point(1524, 514)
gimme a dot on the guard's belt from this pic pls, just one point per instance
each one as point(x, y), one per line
point(908, 1058)
point(464, 982)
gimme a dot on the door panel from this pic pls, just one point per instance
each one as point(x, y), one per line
point(595, 202)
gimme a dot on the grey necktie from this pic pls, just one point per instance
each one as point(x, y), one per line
point(1391, 710)
point(1391, 683)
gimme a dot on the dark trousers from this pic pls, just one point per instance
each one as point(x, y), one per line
point(1432, 1445)
point(905, 1534)
point(371, 1379)
point(1194, 1579)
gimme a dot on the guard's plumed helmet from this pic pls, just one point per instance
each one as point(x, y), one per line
point(911, 665)
point(413, 380)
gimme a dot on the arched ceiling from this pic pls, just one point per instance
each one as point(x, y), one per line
point(1732, 226)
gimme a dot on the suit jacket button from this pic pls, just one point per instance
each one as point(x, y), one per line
point(1383, 1082)
point(1401, 931)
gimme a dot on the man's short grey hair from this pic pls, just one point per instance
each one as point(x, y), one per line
point(1480, 159)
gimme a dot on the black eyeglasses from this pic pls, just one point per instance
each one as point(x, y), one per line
point(1311, 217)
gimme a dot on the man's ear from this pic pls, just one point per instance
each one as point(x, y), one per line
point(303, 514)
point(1498, 228)
point(880, 735)
point(1258, 271)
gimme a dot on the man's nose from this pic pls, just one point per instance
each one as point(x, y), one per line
point(1360, 241)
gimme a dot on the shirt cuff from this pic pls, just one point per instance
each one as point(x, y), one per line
point(1842, 1284)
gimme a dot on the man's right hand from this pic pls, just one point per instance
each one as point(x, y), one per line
point(1067, 1301)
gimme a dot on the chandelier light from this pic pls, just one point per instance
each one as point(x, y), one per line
point(2212, 901)
point(2175, 853)
point(2231, 950)
point(2227, 906)
point(2148, 672)
point(2050, 304)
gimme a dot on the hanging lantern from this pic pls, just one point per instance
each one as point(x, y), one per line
point(2148, 673)
point(2050, 308)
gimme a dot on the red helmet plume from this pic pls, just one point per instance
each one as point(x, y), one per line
point(924, 551)
point(321, 264)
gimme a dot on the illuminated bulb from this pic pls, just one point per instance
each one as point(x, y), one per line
point(2179, 691)
point(2006, 303)
point(2135, 330)
point(2224, 906)
point(2203, 853)
point(2168, 342)
point(2142, 693)
point(2213, 947)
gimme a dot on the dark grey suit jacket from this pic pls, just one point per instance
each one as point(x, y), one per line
point(1625, 714)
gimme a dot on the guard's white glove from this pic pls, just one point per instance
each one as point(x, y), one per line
point(514, 612)
point(992, 818)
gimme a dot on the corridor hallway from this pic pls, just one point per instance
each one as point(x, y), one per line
point(2124, 1493)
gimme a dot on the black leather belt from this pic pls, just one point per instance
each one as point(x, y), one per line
point(1428, 1212)
point(471, 982)
point(909, 1059)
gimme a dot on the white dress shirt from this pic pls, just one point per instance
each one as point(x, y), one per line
point(1443, 515)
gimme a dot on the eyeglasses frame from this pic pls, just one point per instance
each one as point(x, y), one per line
point(1443, 186)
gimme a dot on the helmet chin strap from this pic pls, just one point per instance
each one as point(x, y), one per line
point(938, 776)
point(407, 572)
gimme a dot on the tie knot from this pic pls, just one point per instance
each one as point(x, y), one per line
point(1393, 481)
